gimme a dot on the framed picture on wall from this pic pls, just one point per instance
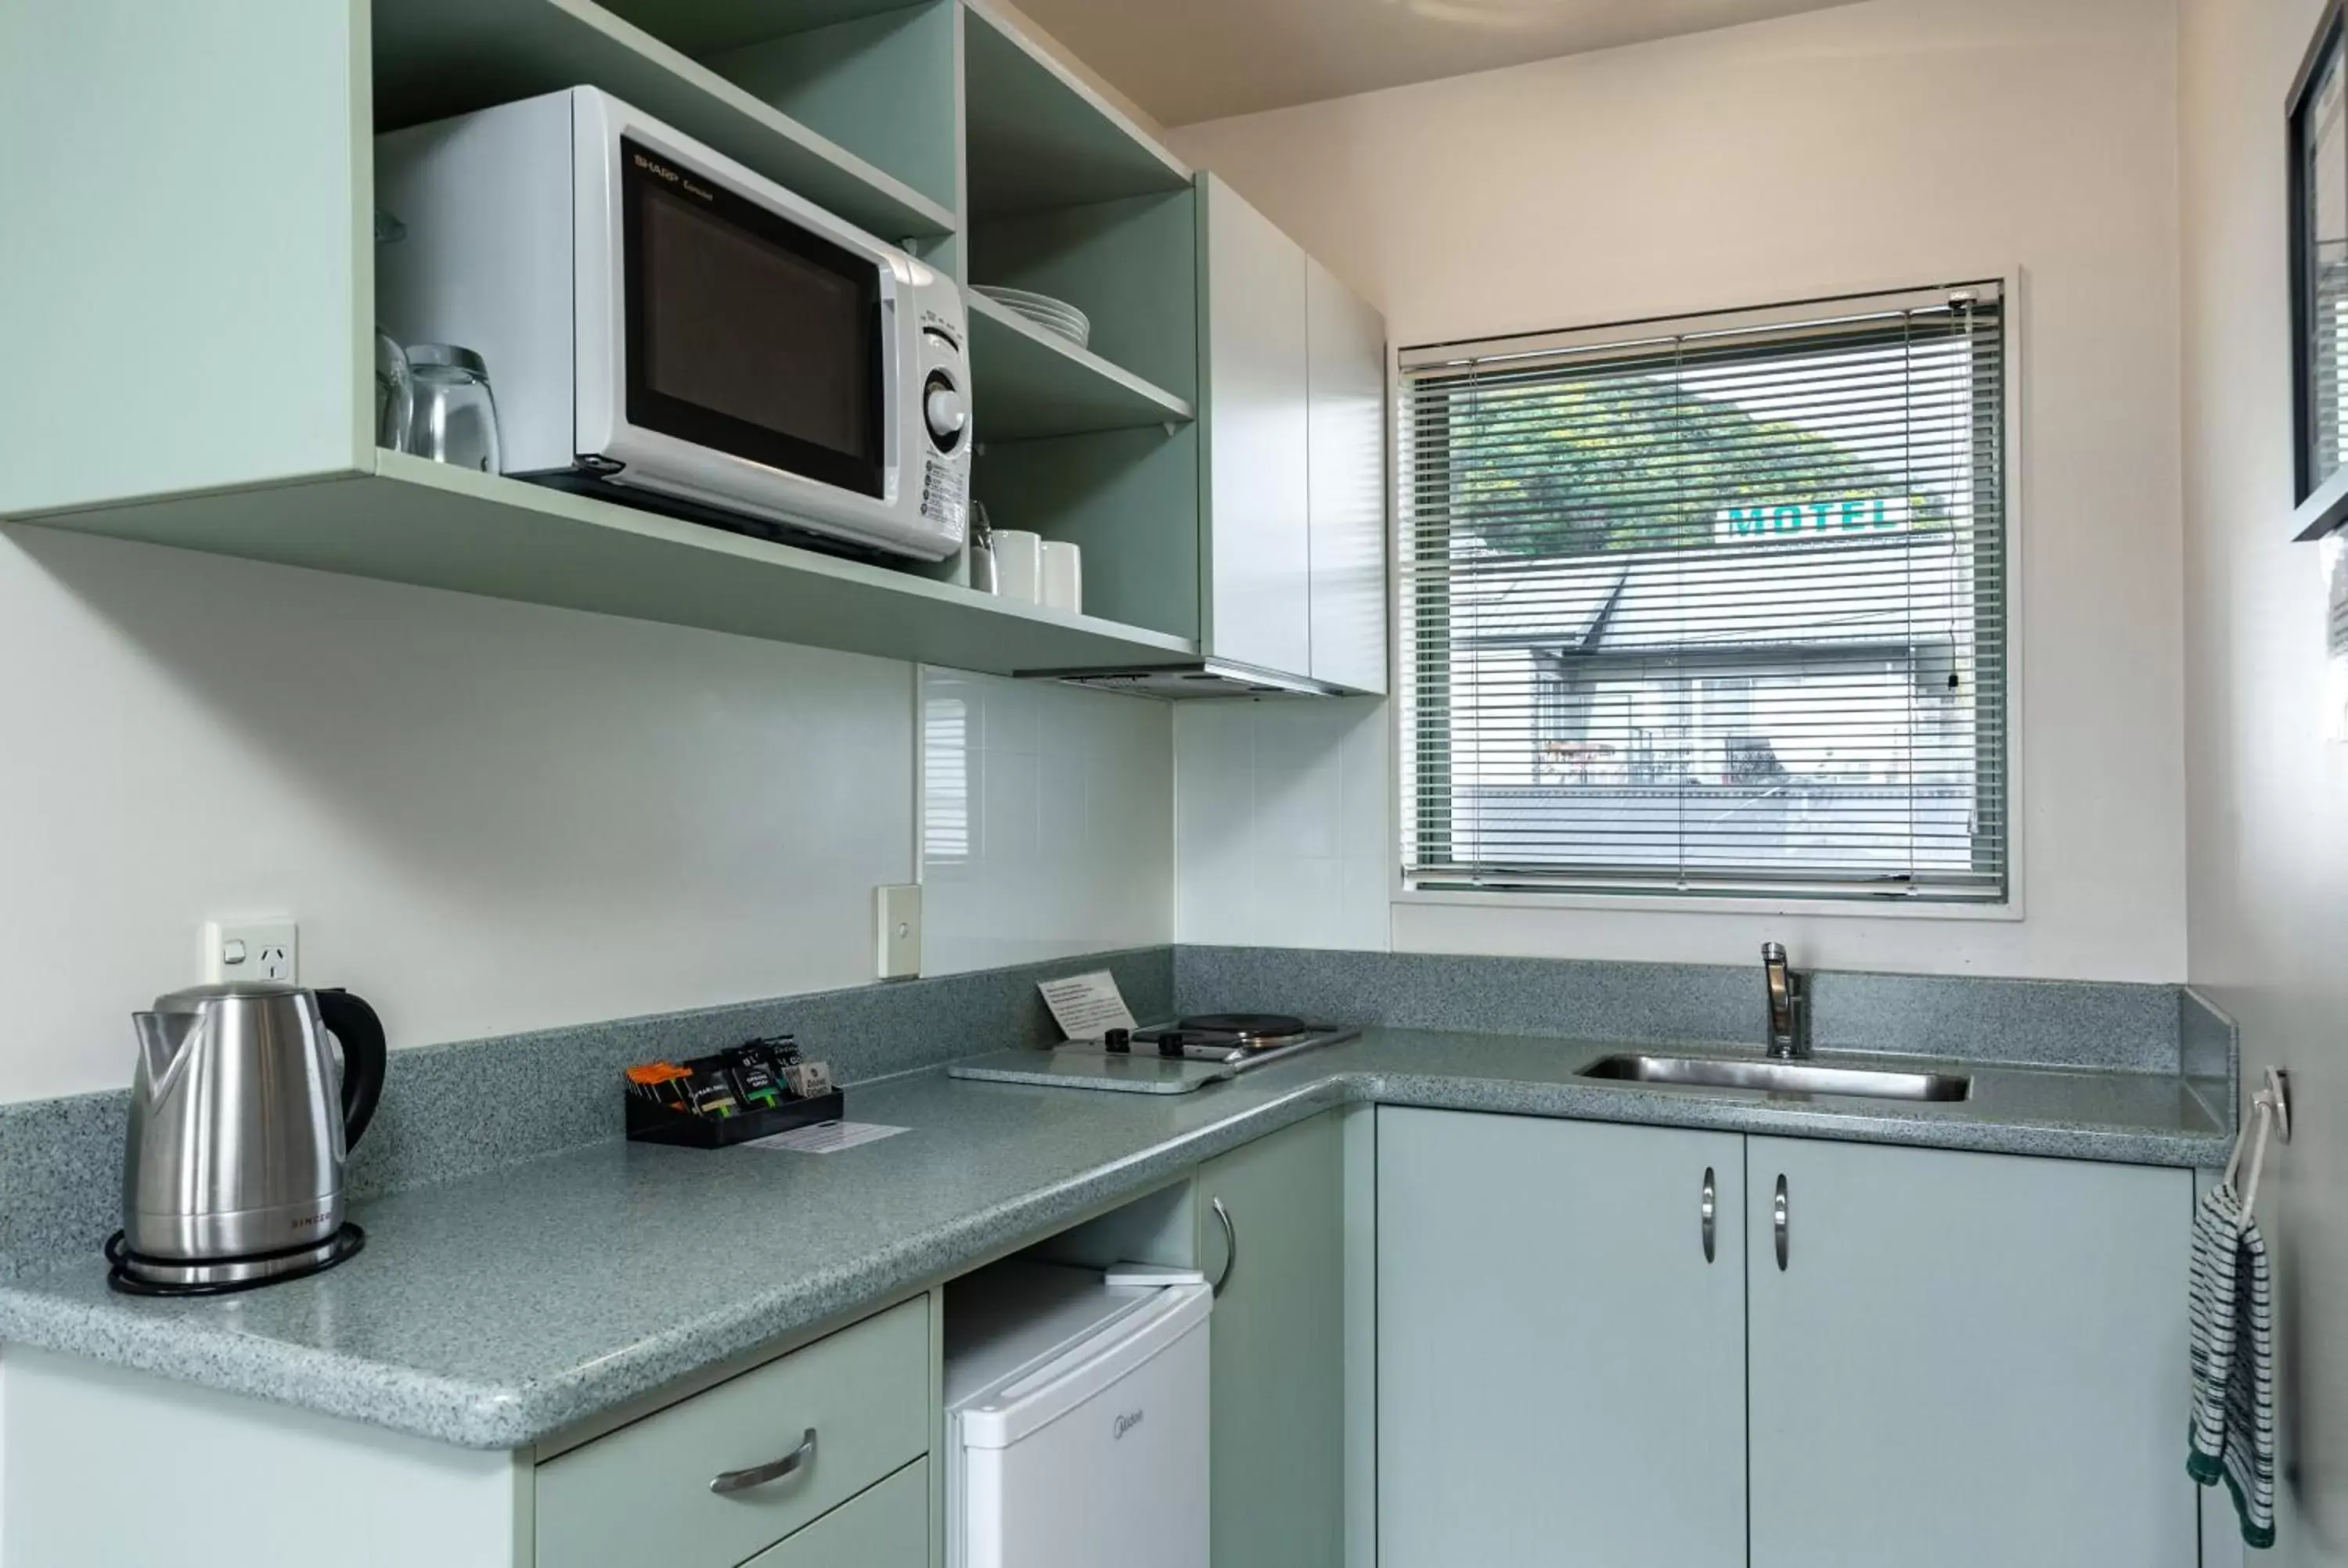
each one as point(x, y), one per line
point(2319, 278)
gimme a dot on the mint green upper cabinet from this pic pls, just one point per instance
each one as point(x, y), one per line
point(1561, 1367)
point(1276, 1345)
point(1967, 1359)
point(1258, 545)
point(1294, 421)
point(1346, 408)
point(186, 263)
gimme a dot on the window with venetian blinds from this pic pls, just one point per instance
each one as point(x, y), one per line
point(1712, 606)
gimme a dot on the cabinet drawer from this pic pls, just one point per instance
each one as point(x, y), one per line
point(642, 1494)
point(888, 1527)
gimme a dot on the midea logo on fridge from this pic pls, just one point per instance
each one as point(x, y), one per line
point(1125, 1423)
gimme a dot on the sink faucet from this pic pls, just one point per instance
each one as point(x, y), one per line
point(1785, 1008)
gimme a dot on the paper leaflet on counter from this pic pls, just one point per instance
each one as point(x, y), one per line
point(825, 1137)
point(1085, 1006)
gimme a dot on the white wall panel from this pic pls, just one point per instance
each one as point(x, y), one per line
point(1280, 815)
point(1048, 821)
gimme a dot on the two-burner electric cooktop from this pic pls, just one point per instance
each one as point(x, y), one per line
point(1169, 1058)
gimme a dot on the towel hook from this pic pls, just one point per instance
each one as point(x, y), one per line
point(2270, 1113)
point(2277, 1095)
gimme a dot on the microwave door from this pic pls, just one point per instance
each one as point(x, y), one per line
point(747, 339)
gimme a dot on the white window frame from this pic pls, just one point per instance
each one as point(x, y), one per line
point(1400, 652)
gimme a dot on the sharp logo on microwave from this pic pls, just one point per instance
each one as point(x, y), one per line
point(1125, 1423)
point(662, 171)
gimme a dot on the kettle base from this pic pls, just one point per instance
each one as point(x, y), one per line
point(133, 1274)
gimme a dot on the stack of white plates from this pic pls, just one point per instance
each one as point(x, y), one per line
point(1045, 311)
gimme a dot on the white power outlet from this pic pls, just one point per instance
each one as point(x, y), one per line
point(897, 921)
point(267, 949)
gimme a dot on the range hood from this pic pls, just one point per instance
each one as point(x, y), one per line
point(1205, 678)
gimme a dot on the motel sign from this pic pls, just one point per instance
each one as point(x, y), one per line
point(1876, 514)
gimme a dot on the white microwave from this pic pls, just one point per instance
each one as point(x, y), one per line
point(656, 317)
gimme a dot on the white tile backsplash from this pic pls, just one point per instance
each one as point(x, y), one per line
point(1283, 833)
point(1047, 821)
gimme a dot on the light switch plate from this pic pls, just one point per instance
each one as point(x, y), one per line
point(896, 929)
point(267, 948)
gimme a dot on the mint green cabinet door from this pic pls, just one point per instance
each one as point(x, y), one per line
point(854, 1406)
point(187, 195)
point(1967, 1359)
point(1560, 1364)
point(1258, 438)
point(887, 1527)
point(1276, 1346)
point(1347, 414)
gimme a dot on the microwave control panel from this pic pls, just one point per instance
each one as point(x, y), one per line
point(945, 496)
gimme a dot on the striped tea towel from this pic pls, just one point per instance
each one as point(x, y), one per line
point(2233, 1361)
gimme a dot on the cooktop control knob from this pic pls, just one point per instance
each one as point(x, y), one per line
point(943, 410)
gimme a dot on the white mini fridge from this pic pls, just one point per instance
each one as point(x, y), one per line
point(1076, 1419)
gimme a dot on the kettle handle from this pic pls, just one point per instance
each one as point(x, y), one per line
point(353, 1022)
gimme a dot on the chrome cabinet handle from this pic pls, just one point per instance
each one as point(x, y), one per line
point(1777, 1215)
point(1708, 1208)
point(1230, 1245)
point(732, 1480)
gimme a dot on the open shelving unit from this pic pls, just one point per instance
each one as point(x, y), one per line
point(933, 124)
point(425, 523)
point(439, 58)
point(1039, 384)
point(1040, 139)
point(1068, 197)
point(705, 27)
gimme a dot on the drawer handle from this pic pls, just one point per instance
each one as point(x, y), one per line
point(733, 1480)
point(1230, 1245)
point(1708, 1207)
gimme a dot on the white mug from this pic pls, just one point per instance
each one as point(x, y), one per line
point(1019, 564)
point(1064, 575)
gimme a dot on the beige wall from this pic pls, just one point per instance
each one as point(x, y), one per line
point(2268, 794)
point(1888, 143)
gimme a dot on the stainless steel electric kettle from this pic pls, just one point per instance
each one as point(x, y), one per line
point(240, 1122)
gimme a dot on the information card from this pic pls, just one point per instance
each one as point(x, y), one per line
point(1083, 1006)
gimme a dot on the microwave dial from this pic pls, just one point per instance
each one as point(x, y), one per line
point(943, 411)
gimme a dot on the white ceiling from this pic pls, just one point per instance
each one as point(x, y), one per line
point(1190, 60)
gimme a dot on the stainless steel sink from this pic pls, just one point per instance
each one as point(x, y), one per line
point(1777, 1077)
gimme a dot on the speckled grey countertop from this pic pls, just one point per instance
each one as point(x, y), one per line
point(494, 1311)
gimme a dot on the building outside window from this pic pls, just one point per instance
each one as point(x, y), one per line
point(1712, 606)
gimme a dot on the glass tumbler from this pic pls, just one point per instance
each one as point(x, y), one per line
point(395, 393)
point(456, 418)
